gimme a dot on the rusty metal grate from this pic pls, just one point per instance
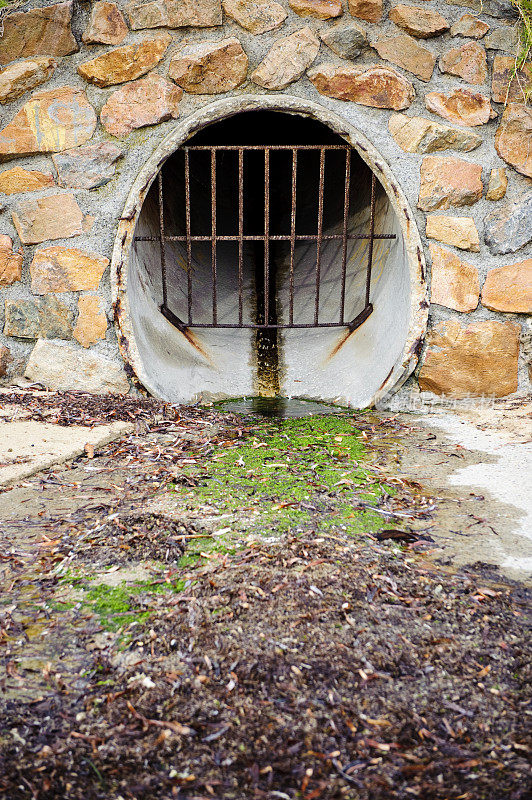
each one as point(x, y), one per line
point(265, 318)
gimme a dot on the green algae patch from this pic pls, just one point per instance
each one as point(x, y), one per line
point(289, 476)
point(120, 606)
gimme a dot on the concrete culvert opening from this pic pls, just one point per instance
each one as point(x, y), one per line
point(268, 260)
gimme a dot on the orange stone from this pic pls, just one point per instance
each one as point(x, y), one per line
point(65, 269)
point(419, 22)
point(38, 32)
point(10, 261)
point(467, 62)
point(507, 87)
point(370, 10)
point(470, 26)
point(19, 179)
point(476, 361)
point(457, 231)
point(147, 101)
point(408, 54)
point(376, 86)
point(463, 106)
point(513, 139)
point(22, 76)
point(91, 324)
point(56, 216)
point(498, 183)
point(447, 182)
point(454, 283)
point(125, 63)
point(209, 67)
point(5, 360)
point(509, 288)
point(319, 9)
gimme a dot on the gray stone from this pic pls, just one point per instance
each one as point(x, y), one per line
point(87, 167)
point(346, 39)
point(505, 38)
point(509, 226)
point(62, 367)
point(45, 318)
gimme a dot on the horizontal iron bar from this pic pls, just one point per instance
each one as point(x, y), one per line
point(267, 147)
point(178, 323)
point(311, 237)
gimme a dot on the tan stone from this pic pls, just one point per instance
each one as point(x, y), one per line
point(509, 288)
point(419, 22)
point(454, 284)
point(10, 261)
point(376, 86)
point(41, 31)
point(106, 24)
point(174, 13)
point(498, 183)
point(319, 9)
point(447, 182)
point(48, 122)
point(513, 139)
point(467, 62)
point(62, 366)
point(457, 231)
point(5, 360)
point(420, 135)
point(463, 106)
point(46, 318)
point(147, 101)
point(65, 269)
point(19, 179)
point(57, 216)
point(256, 16)
point(125, 63)
point(209, 67)
point(22, 76)
point(408, 54)
point(91, 324)
point(478, 360)
point(507, 87)
point(287, 60)
point(370, 10)
point(470, 26)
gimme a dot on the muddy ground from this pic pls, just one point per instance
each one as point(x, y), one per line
point(216, 606)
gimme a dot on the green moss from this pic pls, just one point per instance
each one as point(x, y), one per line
point(119, 606)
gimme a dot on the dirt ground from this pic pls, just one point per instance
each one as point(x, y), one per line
point(214, 606)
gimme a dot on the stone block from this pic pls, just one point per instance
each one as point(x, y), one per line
point(91, 323)
point(209, 67)
point(57, 216)
point(319, 9)
point(470, 27)
point(125, 63)
point(256, 16)
point(18, 179)
point(65, 269)
point(509, 288)
point(509, 226)
point(498, 183)
point(507, 87)
point(478, 360)
point(377, 86)
point(50, 121)
point(447, 182)
point(369, 10)
point(10, 261)
point(420, 135)
point(46, 318)
point(467, 62)
point(5, 359)
point(462, 106)
point(40, 31)
point(505, 38)
point(346, 39)
point(23, 76)
point(87, 167)
point(408, 54)
point(148, 101)
point(454, 283)
point(287, 60)
point(106, 25)
point(513, 139)
point(423, 23)
point(65, 367)
point(459, 232)
point(174, 14)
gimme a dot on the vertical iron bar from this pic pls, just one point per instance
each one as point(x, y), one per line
point(371, 235)
point(213, 236)
point(293, 233)
point(320, 234)
point(161, 236)
point(188, 232)
point(344, 231)
point(266, 237)
point(240, 231)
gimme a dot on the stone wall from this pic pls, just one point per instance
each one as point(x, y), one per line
point(89, 91)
